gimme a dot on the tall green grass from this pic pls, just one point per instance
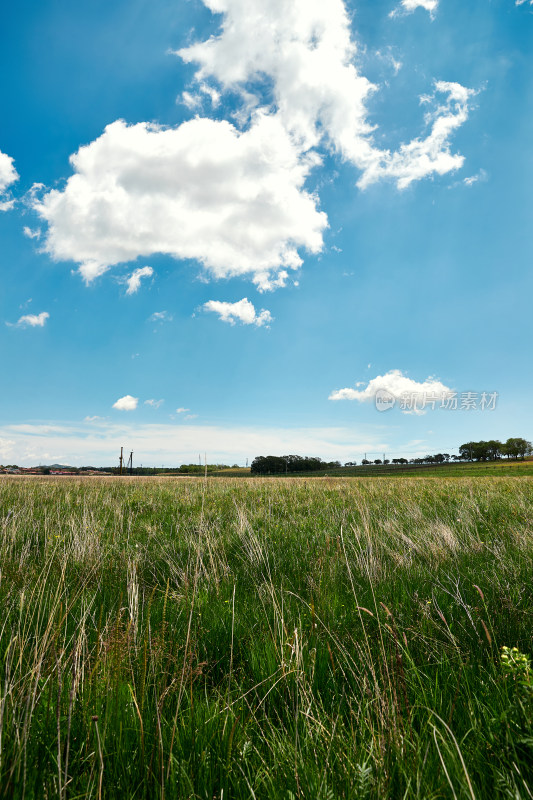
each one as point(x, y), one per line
point(265, 638)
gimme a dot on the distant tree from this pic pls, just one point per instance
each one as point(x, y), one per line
point(517, 448)
point(386, 461)
point(365, 462)
point(481, 451)
point(275, 465)
point(377, 461)
point(468, 451)
point(494, 449)
point(268, 465)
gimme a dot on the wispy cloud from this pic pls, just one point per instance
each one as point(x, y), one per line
point(126, 403)
point(99, 442)
point(408, 6)
point(242, 311)
point(432, 154)
point(134, 280)
point(31, 233)
point(182, 410)
point(31, 320)
point(480, 177)
point(161, 316)
point(154, 403)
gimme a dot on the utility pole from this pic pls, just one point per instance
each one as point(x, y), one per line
point(121, 460)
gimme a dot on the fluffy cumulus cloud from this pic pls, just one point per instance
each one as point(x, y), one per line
point(126, 403)
point(232, 194)
point(32, 320)
point(242, 311)
point(134, 280)
point(8, 175)
point(232, 200)
point(408, 6)
point(523, 2)
point(394, 383)
point(306, 49)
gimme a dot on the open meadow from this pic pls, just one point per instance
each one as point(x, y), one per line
point(305, 638)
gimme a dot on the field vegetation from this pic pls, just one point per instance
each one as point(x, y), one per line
point(266, 638)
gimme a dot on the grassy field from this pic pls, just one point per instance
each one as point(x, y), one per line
point(452, 469)
point(287, 639)
point(504, 467)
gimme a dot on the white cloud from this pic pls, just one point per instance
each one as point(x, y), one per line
point(243, 311)
point(194, 101)
point(31, 234)
point(306, 48)
point(6, 447)
point(521, 2)
point(481, 177)
point(99, 442)
point(161, 316)
point(421, 158)
point(182, 410)
point(395, 383)
point(31, 320)
point(126, 403)
point(232, 200)
point(233, 196)
point(134, 280)
point(388, 57)
point(154, 403)
point(408, 6)
point(8, 175)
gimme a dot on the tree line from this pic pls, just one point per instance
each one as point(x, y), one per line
point(494, 449)
point(491, 450)
point(277, 465)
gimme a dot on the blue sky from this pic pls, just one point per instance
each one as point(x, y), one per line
point(258, 217)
